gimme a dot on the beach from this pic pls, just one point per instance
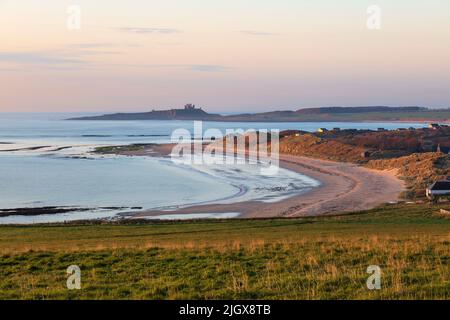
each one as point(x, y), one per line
point(344, 187)
point(132, 171)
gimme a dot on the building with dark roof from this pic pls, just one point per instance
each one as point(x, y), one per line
point(443, 149)
point(438, 188)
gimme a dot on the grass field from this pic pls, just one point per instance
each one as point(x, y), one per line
point(309, 258)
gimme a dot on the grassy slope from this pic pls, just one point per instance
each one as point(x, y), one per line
point(433, 115)
point(385, 116)
point(309, 145)
point(311, 258)
point(388, 150)
point(419, 170)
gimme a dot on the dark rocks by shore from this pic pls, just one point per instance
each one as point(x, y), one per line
point(54, 210)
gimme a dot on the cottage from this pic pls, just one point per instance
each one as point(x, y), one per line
point(322, 130)
point(438, 189)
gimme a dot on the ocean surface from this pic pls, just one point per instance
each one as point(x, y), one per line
point(63, 172)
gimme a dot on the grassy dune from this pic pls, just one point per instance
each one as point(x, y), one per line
point(309, 258)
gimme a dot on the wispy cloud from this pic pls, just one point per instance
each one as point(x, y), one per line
point(146, 30)
point(9, 69)
point(96, 45)
point(169, 43)
point(38, 58)
point(258, 33)
point(208, 68)
point(194, 67)
point(79, 56)
point(188, 67)
point(69, 57)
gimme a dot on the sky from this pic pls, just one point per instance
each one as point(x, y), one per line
point(226, 56)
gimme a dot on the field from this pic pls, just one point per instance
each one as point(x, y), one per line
point(303, 258)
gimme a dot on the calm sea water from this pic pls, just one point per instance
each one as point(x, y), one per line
point(72, 177)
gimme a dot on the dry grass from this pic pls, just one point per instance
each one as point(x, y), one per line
point(310, 145)
point(419, 169)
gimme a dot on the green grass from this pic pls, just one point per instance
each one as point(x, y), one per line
point(309, 258)
point(442, 115)
point(119, 149)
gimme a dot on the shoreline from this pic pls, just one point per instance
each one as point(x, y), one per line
point(411, 121)
point(345, 187)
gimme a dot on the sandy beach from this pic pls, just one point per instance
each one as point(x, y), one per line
point(344, 187)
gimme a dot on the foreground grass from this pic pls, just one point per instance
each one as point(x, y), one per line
point(310, 258)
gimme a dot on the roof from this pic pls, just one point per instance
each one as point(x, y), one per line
point(440, 185)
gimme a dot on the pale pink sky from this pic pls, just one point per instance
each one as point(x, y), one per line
point(234, 55)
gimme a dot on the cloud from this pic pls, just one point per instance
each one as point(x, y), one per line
point(258, 33)
point(39, 58)
point(169, 43)
point(78, 56)
point(8, 69)
point(208, 68)
point(189, 67)
point(149, 30)
point(96, 45)
point(69, 57)
point(94, 48)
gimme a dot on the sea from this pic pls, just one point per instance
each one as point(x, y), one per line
point(47, 161)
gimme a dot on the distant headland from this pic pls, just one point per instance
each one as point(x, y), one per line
point(329, 114)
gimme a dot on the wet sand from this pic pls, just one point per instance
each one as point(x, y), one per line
point(344, 187)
